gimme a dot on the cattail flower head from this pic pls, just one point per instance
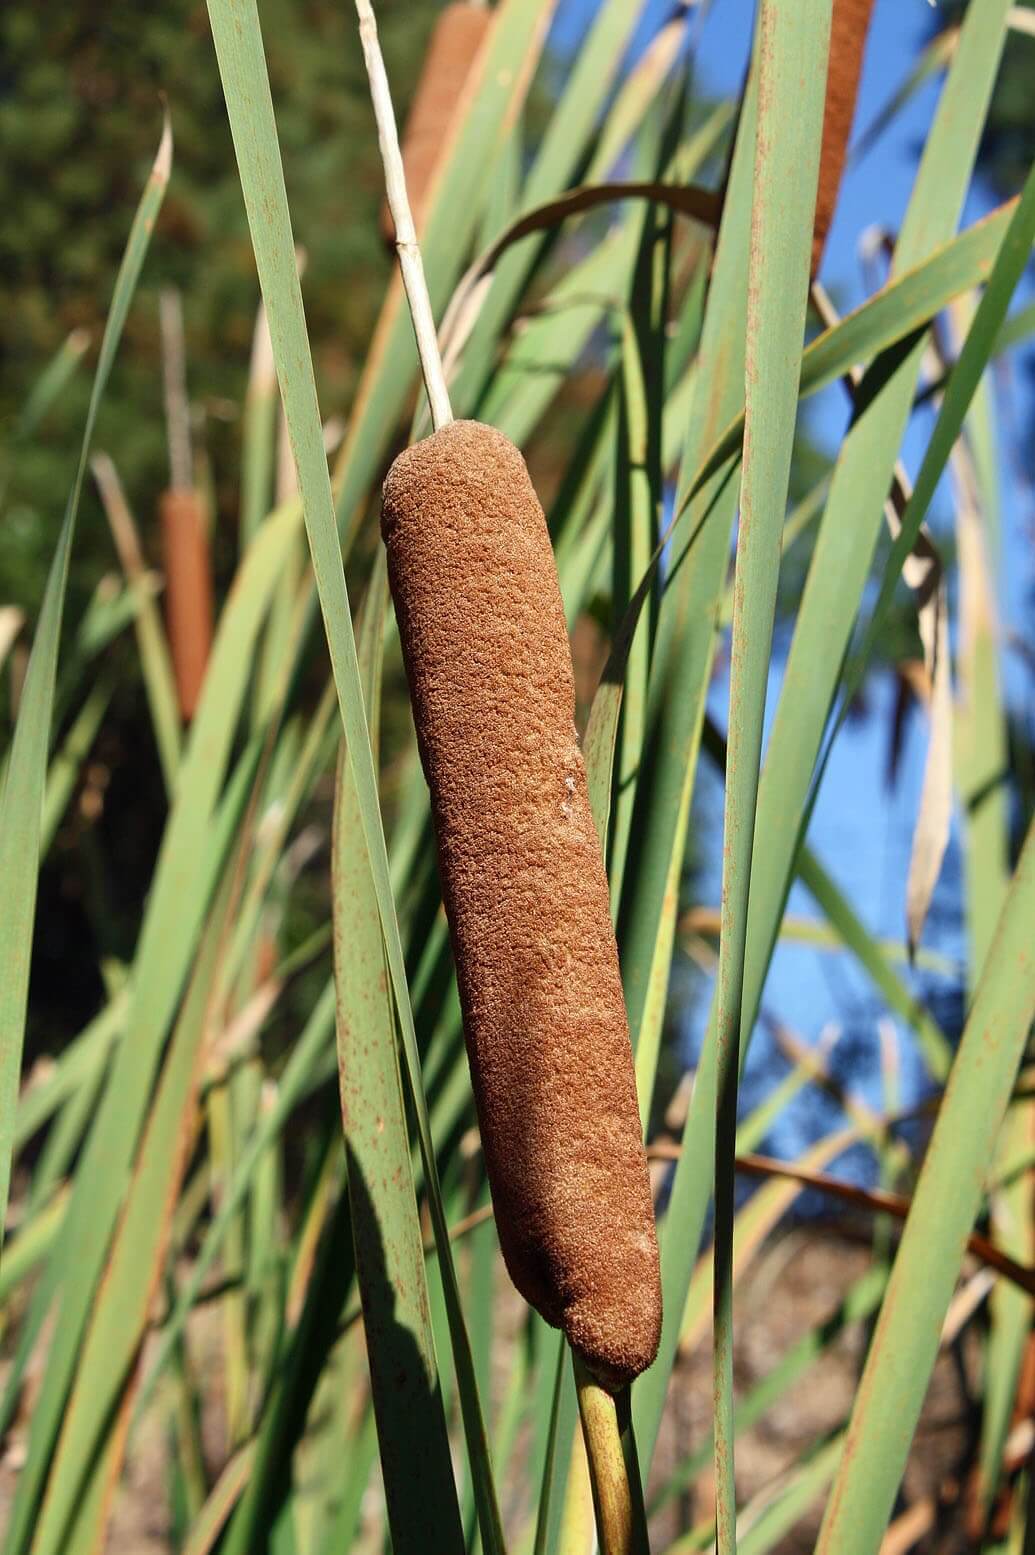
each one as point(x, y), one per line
point(489, 668)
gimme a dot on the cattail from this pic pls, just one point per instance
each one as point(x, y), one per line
point(188, 592)
point(848, 29)
point(185, 551)
point(483, 634)
point(455, 40)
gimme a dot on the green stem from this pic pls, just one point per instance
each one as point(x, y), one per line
point(613, 1475)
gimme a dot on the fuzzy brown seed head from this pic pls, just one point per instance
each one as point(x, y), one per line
point(454, 42)
point(849, 25)
point(188, 592)
point(482, 627)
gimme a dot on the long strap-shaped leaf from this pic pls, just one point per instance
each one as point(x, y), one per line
point(902, 308)
point(242, 65)
point(680, 670)
point(793, 47)
point(980, 760)
point(20, 812)
point(948, 1193)
point(837, 578)
point(312, 1042)
point(892, 314)
point(418, 1476)
point(89, 1452)
point(101, 1178)
point(963, 382)
point(598, 750)
point(571, 124)
point(854, 514)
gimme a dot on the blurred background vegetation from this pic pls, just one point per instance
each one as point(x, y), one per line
point(76, 89)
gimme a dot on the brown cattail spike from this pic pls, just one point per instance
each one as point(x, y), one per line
point(483, 634)
point(188, 578)
point(188, 592)
point(849, 26)
point(455, 40)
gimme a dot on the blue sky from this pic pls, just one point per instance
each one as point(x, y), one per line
point(861, 830)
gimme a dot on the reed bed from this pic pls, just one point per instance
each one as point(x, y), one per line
point(371, 1204)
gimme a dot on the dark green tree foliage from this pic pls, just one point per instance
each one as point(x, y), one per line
point(80, 113)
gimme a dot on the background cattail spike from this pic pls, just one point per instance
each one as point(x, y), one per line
point(184, 523)
point(456, 37)
point(849, 26)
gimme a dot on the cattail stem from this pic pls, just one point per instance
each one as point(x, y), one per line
point(177, 410)
point(407, 247)
point(621, 1522)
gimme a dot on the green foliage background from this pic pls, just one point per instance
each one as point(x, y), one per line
point(80, 104)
